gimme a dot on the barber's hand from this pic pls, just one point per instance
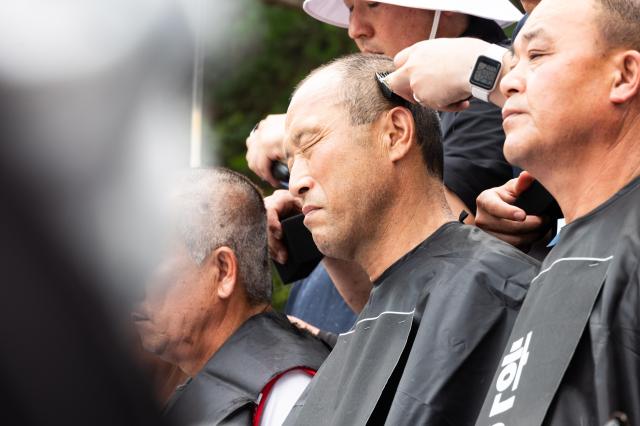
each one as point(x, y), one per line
point(264, 146)
point(437, 72)
point(280, 204)
point(302, 325)
point(497, 215)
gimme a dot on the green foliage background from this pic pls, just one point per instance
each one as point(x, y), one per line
point(289, 44)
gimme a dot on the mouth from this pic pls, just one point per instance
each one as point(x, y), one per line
point(307, 210)
point(309, 213)
point(371, 49)
point(508, 111)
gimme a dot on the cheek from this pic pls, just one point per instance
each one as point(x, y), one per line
point(362, 177)
point(161, 320)
point(169, 310)
point(544, 97)
point(556, 108)
point(393, 43)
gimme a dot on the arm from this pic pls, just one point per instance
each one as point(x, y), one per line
point(328, 338)
point(350, 280)
point(437, 72)
point(264, 146)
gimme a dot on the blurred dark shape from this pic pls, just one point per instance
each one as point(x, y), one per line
point(304, 255)
point(78, 155)
point(280, 171)
point(62, 362)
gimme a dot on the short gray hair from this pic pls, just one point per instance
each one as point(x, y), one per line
point(618, 21)
point(219, 207)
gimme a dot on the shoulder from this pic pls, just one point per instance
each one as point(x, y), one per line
point(489, 262)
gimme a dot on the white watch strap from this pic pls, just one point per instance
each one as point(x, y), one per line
point(480, 93)
point(494, 52)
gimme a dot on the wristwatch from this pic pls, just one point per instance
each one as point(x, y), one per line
point(486, 72)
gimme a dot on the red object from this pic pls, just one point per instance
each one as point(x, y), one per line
point(267, 389)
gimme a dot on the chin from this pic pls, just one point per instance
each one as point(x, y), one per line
point(324, 246)
point(518, 153)
point(155, 346)
point(334, 248)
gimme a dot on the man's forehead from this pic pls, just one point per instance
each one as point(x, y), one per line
point(552, 20)
point(307, 123)
point(316, 95)
point(320, 85)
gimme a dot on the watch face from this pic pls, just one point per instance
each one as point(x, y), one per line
point(485, 73)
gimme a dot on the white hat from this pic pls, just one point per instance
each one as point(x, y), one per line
point(335, 12)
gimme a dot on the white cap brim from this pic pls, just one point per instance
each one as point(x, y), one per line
point(335, 12)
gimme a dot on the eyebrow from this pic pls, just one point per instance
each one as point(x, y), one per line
point(535, 33)
point(295, 139)
point(528, 37)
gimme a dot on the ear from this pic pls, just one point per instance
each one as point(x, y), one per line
point(397, 132)
point(226, 263)
point(626, 81)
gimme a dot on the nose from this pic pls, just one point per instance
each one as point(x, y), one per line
point(300, 181)
point(359, 25)
point(514, 80)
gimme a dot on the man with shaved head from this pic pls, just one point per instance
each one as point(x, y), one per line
point(472, 139)
point(572, 119)
point(208, 311)
point(367, 172)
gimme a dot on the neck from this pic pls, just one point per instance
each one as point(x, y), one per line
point(598, 173)
point(205, 344)
point(416, 212)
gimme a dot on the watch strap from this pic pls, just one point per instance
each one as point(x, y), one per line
point(495, 52)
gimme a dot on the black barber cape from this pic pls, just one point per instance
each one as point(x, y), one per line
point(584, 306)
point(228, 388)
point(424, 348)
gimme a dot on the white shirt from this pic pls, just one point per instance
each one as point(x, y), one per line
point(284, 394)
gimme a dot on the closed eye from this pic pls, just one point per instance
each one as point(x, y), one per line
point(535, 55)
point(304, 149)
point(307, 146)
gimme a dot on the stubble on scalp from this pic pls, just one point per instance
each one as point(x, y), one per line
point(618, 21)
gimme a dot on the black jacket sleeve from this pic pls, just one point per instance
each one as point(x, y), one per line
point(473, 158)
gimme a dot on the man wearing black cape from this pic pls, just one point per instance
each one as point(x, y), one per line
point(572, 118)
point(367, 172)
point(207, 310)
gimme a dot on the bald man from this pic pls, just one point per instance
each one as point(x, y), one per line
point(367, 173)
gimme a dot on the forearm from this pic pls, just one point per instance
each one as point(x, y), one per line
point(350, 280)
point(437, 72)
